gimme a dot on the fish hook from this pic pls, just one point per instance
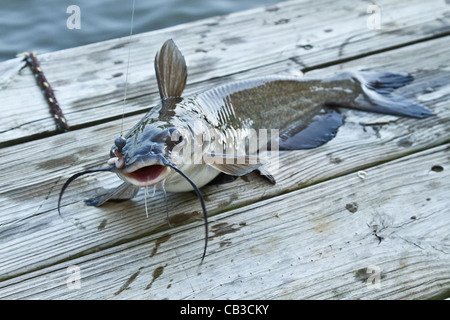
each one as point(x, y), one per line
point(119, 160)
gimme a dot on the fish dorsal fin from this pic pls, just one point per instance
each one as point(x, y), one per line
point(171, 71)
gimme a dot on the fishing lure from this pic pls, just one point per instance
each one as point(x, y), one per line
point(183, 143)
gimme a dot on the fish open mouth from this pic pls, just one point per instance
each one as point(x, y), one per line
point(146, 176)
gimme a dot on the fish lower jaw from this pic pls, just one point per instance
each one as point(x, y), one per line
point(146, 176)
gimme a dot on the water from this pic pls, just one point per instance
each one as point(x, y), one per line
point(41, 26)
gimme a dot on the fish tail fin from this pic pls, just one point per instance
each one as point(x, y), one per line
point(377, 88)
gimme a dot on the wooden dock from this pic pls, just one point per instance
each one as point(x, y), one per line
point(366, 216)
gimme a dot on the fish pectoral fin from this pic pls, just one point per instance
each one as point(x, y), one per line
point(264, 172)
point(319, 130)
point(234, 165)
point(222, 178)
point(171, 71)
point(123, 192)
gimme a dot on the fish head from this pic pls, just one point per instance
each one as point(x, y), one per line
point(142, 156)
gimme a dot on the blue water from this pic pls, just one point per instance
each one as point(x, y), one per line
point(41, 26)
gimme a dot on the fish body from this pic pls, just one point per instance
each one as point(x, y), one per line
point(183, 143)
point(302, 110)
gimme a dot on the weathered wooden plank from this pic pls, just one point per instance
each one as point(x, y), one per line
point(382, 237)
point(33, 236)
point(89, 80)
point(118, 248)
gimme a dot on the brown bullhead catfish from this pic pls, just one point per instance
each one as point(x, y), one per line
point(183, 143)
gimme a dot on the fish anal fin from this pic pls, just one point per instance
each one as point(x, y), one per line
point(123, 192)
point(171, 71)
point(317, 131)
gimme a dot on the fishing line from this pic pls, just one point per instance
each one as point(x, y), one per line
point(128, 67)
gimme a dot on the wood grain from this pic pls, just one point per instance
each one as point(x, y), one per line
point(312, 235)
point(89, 80)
